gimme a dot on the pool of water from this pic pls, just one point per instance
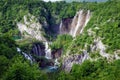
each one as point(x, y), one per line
point(50, 69)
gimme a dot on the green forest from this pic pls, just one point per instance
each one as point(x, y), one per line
point(105, 16)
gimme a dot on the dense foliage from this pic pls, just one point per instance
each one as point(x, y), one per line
point(62, 41)
point(105, 17)
point(98, 70)
point(22, 70)
point(7, 46)
point(13, 66)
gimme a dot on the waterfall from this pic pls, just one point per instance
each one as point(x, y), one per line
point(38, 49)
point(60, 29)
point(47, 51)
point(74, 23)
point(56, 62)
point(86, 20)
point(28, 57)
point(42, 50)
point(82, 21)
point(78, 23)
point(18, 50)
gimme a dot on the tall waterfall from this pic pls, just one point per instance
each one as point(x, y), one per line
point(47, 51)
point(86, 20)
point(76, 25)
point(80, 16)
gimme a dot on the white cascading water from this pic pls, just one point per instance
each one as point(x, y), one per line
point(47, 51)
point(56, 62)
point(78, 23)
point(73, 24)
point(60, 29)
point(86, 20)
point(28, 57)
point(36, 50)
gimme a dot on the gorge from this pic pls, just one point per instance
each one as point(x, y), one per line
point(60, 40)
point(73, 27)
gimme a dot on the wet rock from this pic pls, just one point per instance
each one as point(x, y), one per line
point(38, 50)
point(44, 62)
point(56, 53)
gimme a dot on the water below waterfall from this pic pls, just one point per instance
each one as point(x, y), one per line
point(48, 56)
point(52, 68)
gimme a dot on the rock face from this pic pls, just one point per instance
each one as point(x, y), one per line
point(56, 53)
point(31, 28)
point(74, 59)
point(44, 62)
point(38, 50)
point(65, 25)
point(99, 46)
point(76, 25)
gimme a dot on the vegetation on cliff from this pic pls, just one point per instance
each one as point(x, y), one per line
point(104, 23)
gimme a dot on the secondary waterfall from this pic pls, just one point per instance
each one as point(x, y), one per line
point(27, 56)
point(47, 51)
point(60, 27)
point(76, 25)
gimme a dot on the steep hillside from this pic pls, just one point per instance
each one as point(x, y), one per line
point(59, 41)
